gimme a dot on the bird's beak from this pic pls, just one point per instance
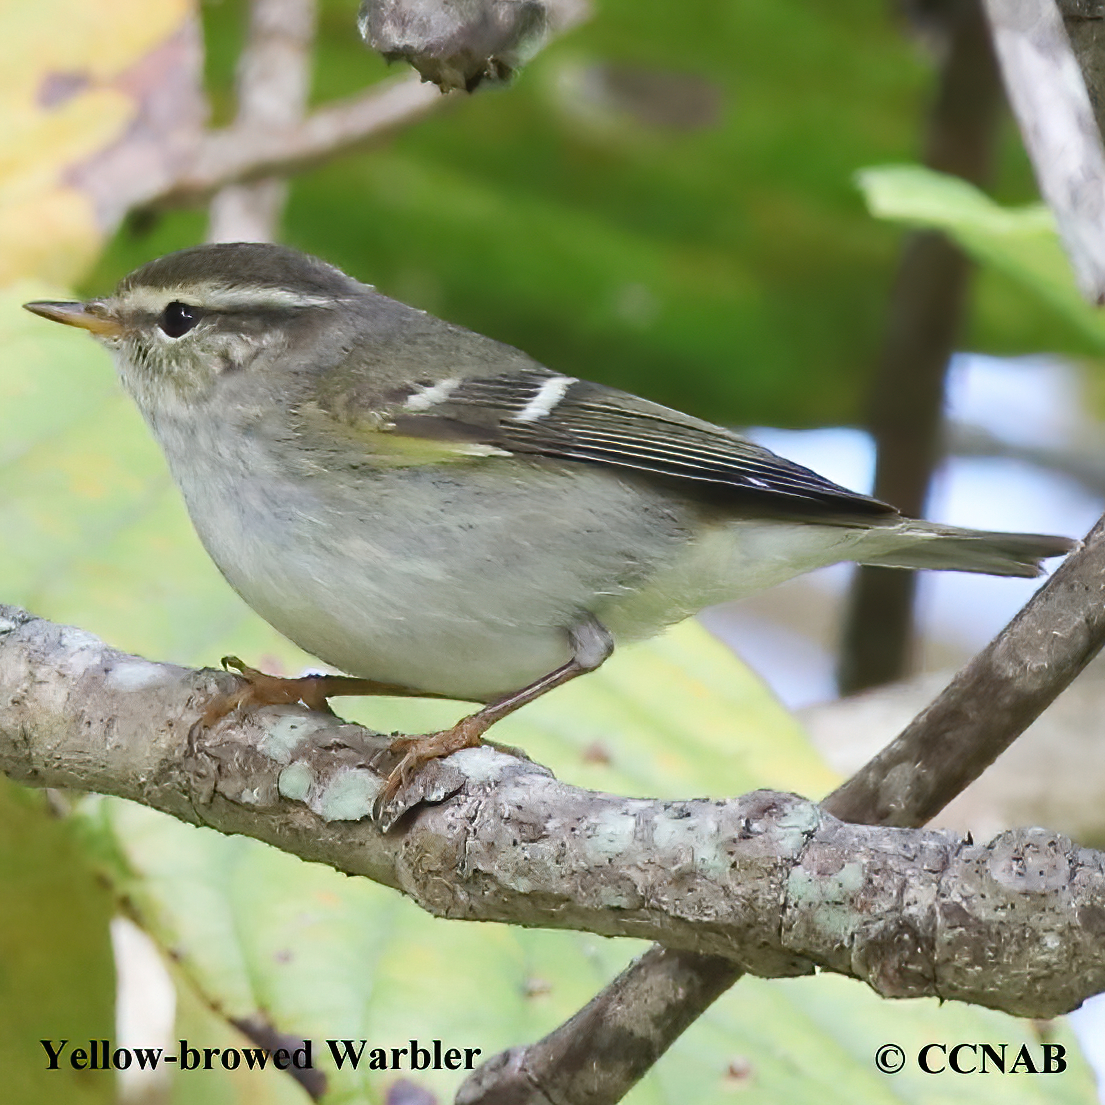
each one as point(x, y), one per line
point(88, 316)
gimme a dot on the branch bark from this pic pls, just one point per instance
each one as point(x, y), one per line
point(168, 159)
point(561, 1066)
point(1085, 23)
point(460, 45)
point(233, 155)
point(1049, 98)
point(598, 1055)
point(186, 165)
point(274, 81)
point(769, 882)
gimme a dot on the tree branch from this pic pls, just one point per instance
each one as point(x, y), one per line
point(158, 165)
point(767, 881)
point(561, 1065)
point(1083, 22)
point(1045, 87)
point(990, 702)
point(274, 81)
point(926, 307)
point(1081, 457)
point(596, 1056)
point(166, 158)
point(234, 155)
point(460, 45)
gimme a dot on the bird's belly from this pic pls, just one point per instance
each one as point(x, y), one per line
point(463, 587)
point(460, 658)
point(466, 581)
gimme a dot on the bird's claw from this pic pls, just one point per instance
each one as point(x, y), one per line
point(421, 750)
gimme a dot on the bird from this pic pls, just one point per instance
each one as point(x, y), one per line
point(435, 513)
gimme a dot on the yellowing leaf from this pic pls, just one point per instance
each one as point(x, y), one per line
point(71, 84)
point(56, 977)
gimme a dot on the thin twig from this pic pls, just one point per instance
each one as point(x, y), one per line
point(233, 155)
point(1080, 458)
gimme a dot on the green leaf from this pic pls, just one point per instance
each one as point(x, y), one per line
point(1019, 242)
point(815, 1039)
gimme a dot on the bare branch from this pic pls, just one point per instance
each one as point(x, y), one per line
point(1048, 95)
point(234, 155)
point(767, 881)
point(595, 1057)
point(1083, 20)
point(461, 44)
point(167, 159)
point(455, 45)
point(1083, 459)
point(990, 702)
point(916, 770)
point(274, 80)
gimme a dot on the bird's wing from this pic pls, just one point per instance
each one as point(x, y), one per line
point(538, 412)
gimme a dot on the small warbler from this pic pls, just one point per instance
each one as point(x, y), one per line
point(438, 514)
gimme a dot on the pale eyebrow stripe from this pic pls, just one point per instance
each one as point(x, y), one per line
point(548, 395)
point(216, 296)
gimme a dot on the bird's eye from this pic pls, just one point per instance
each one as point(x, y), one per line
point(178, 318)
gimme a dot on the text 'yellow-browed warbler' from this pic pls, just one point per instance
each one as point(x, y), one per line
point(437, 513)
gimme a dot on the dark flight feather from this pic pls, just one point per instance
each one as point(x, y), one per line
point(599, 425)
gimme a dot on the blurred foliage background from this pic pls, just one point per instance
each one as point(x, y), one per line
point(664, 200)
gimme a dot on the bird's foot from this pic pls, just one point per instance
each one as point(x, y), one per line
point(258, 689)
point(419, 751)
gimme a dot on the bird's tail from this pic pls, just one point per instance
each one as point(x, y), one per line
point(916, 544)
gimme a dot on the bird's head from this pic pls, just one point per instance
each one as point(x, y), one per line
point(181, 324)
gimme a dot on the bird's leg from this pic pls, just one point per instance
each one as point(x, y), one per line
point(591, 645)
point(259, 689)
